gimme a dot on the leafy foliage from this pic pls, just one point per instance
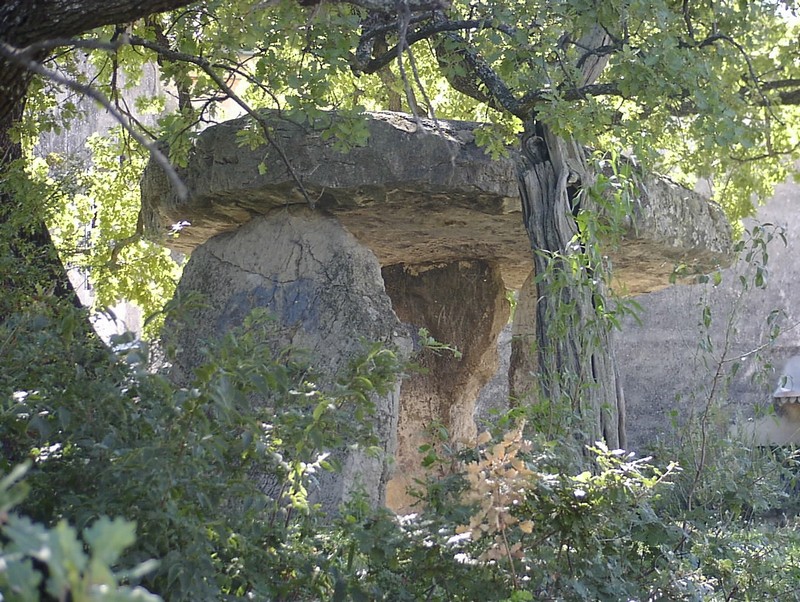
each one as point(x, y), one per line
point(515, 520)
point(698, 90)
point(516, 525)
point(95, 224)
point(192, 466)
point(38, 560)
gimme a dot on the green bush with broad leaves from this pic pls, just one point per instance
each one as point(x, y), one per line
point(128, 469)
point(56, 561)
point(112, 438)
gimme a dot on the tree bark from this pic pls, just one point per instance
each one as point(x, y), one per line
point(569, 341)
point(572, 346)
point(32, 267)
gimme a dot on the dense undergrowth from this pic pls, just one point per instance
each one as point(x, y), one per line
point(121, 485)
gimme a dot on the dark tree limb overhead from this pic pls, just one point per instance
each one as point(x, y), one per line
point(26, 22)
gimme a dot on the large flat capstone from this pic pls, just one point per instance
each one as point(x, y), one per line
point(414, 196)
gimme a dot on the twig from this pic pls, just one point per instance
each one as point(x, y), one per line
point(208, 68)
point(761, 347)
point(687, 18)
point(423, 33)
point(23, 58)
point(404, 14)
point(431, 111)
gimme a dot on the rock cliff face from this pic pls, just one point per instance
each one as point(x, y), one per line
point(668, 375)
point(437, 215)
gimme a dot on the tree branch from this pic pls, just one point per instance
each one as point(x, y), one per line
point(208, 69)
point(390, 6)
point(497, 95)
point(22, 58)
point(779, 84)
point(422, 33)
point(531, 99)
point(25, 23)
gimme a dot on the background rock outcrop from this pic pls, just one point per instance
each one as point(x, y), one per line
point(669, 358)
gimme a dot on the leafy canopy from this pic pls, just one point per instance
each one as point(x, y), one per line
point(694, 90)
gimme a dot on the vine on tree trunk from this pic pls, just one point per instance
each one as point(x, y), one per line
point(573, 343)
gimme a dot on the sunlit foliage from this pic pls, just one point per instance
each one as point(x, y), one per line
point(695, 90)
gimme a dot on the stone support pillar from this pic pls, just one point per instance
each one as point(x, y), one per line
point(462, 304)
point(326, 293)
point(524, 363)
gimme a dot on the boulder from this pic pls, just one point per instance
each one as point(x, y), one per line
point(327, 296)
point(414, 197)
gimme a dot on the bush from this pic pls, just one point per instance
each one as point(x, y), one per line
point(37, 561)
point(515, 524)
point(515, 518)
point(513, 528)
point(109, 437)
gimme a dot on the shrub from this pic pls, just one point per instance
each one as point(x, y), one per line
point(37, 561)
point(110, 438)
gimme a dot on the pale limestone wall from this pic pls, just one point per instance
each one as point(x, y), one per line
point(668, 379)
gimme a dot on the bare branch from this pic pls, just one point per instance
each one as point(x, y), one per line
point(498, 95)
point(422, 33)
point(209, 69)
point(22, 58)
point(687, 18)
point(119, 245)
point(785, 97)
point(390, 6)
point(35, 49)
point(403, 17)
point(780, 84)
point(529, 102)
point(25, 23)
point(431, 110)
point(772, 153)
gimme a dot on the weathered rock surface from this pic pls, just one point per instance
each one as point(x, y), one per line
point(463, 304)
point(667, 376)
point(327, 296)
point(415, 197)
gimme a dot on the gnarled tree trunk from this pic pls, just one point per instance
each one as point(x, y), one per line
point(569, 342)
point(572, 347)
point(32, 266)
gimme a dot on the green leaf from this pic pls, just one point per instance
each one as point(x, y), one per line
point(108, 538)
point(20, 577)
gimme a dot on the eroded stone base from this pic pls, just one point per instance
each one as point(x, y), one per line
point(461, 304)
point(524, 362)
